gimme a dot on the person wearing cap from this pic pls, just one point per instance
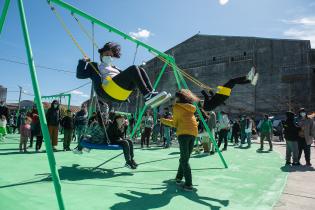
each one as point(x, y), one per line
point(112, 83)
point(291, 131)
point(53, 119)
point(306, 135)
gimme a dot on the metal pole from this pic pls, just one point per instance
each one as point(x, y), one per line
point(40, 108)
point(91, 107)
point(200, 115)
point(109, 28)
point(4, 14)
point(69, 101)
point(20, 95)
point(145, 107)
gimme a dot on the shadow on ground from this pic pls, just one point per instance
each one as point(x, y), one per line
point(288, 168)
point(73, 173)
point(170, 190)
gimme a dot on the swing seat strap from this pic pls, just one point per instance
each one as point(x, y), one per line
point(115, 91)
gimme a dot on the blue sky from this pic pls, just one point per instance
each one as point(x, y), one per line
point(161, 24)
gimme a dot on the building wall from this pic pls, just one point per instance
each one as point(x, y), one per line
point(285, 67)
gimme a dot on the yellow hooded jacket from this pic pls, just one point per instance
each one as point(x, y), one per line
point(183, 119)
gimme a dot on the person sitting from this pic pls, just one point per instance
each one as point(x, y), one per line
point(224, 92)
point(115, 132)
point(113, 84)
point(94, 134)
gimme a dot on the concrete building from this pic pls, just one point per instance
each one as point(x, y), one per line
point(286, 68)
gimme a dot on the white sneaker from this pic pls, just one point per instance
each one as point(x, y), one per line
point(162, 101)
point(86, 150)
point(255, 79)
point(153, 97)
point(77, 152)
point(251, 74)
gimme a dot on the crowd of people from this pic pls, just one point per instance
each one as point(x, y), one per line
point(182, 124)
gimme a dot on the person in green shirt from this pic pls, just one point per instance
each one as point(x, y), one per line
point(266, 132)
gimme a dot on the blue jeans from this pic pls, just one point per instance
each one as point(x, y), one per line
point(246, 136)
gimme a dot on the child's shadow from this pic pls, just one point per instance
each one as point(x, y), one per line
point(143, 201)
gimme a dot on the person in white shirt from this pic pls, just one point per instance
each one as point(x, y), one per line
point(224, 127)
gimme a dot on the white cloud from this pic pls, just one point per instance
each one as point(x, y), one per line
point(76, 92)
point(305, 21)
point(141, 34)
point(304, 28)
point(79, 93)
point(223, 2)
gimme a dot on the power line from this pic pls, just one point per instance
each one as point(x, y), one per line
point(68, 91)
point(38, 66)
point(81, 86)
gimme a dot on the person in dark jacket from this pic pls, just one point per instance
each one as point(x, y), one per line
point(115, 132)
point(53, 119)
point(38, 133)
point(34, 115)
point(4, 110)
point(236, 132)
point(291, 134)
point(67, 124)
point(81, 121)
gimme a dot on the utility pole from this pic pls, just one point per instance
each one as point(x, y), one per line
point(91, 105)
point(20, 95)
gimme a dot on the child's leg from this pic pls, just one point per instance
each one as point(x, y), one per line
point(131, 78)
point(262, 137)
point(21, 143)
point(295, 151)
point(25, 143)
point(288, 152)
point(146, 78)
point(125, 145)
point(148, 136)
point(130, 148)
point(236, 81)
point(142, 138)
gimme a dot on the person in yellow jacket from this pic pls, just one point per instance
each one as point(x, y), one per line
point(186, 130)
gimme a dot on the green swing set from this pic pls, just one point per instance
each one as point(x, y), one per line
point(167, 59)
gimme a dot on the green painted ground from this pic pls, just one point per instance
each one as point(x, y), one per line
point(253, 181)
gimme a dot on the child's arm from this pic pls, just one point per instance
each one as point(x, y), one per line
point(168, 122)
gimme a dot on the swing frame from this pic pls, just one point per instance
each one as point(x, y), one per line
point(168, 59)
point(59, 96)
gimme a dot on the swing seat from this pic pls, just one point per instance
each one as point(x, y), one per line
point(115, 91)
point(89, 145)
